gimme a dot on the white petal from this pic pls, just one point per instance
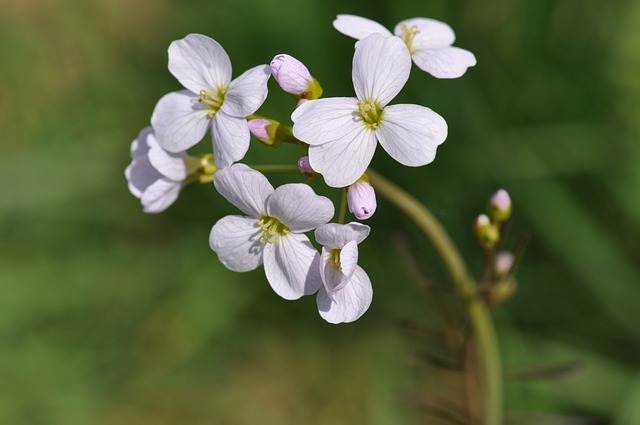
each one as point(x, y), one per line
point(231, 139)
point(349, 303)
point(199, 63)
point(446, 62)
point(236, 240)
point(358, 27)
point(140, 175)
point(140, 146)
point(245, 188)
point(344, 161)
point(298, 206)
point(335, 279)
point(291, 264)
point(247, 92)
point(335, 235)
point(179, 121)
point(348, 259)
point(160, 195)
point(431, 33)
point(170, 165)
point(411, 134)
point(381, 67)
point(325, 120)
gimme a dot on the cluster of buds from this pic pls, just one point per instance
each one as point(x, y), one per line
point(487, 227)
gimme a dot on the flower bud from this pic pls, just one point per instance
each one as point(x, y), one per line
point(361, 199)
point(503, 263)
point(305, 166)
point(294, 77)
point(500, 207)
point(486, 232)
point(265, 130)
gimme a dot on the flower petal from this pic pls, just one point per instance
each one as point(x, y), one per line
point(358, 27)
point(140, 175)
point(179, 121)
point(236, 240)
point(160, 195)
point(247, 92)
point(297, 206)
point(325, 120)
point(431, 33)
point(335, 235)
point(140, 146)
point(344, 161)
point(245, 188)
point(411, 134)
point(199, 63)
point(170, 165)
point(334, 279)
point(349, 303)
point(291, 264)
point(381, 67)
point(446, 62)
point(231, 139)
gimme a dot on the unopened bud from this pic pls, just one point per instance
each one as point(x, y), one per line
point(500, 207)
point(294, 77)
point(361, 199)
point(503, 263)
point(305, 166)
point(265, 130)
point(486, 232)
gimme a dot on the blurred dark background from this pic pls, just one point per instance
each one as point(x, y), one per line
point(111, 316)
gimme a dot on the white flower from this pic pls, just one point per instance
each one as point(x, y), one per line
point(156, 176)
point(182, 118)
point(342, 132)
point(346, 292)
point(429, 42)
point(273, 232)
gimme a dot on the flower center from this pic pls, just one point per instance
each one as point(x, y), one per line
point(212, 100)
point(271, 228)
point(408, 35)
point(334, 258)
point(371, 112)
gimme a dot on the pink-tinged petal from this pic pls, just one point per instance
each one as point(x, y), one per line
point(160, 195)
point(179, 121)
point(335, 235)
point(358, 27)
point(326, 120)
point(236, 240)
point(411, 134)
point(332, 277)
point(247, 92)
point(231, 139)
point(170, 165)
point(140, 146)
point(344, 161)
point(245, 188)
point(431, 33)
point(140, 175)
point(350, 302)
point(291, 265)
point(447, 62)
point(291, 74)
point(199, 63)
point(361, 199)
point(297, 206)
point(381, 67)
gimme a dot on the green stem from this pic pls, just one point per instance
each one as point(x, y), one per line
point(343, 206)
point(282, 169)
point(479, 315)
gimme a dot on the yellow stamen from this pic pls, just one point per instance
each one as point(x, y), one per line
point(212, 100)
point(370, 112)
point(408, 35)
point(271, 229)
point(334, 258)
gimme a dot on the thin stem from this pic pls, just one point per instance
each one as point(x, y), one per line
point(481, 321)
point(282, 169)
point(343, 206)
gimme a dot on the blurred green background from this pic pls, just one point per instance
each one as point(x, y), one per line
point(111, 316)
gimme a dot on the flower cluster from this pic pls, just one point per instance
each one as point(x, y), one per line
point(339, 136)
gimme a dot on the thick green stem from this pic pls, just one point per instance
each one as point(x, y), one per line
point(479, 315)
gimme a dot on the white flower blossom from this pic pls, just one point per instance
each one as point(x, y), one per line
point(273, 230)
point(154, 175)
point(429, 42)
point(346, 292)
point(343, 132)
point(182, 118)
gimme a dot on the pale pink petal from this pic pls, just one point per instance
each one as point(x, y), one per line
point(350, 302)
point(446, 62)
point(326, 120)
point(381, 67)
point(297, 206)
point(431, 33)
point(358, 27)
point(291, 74)
point(160, 195)
point(247, 92)
point(231, 139)
point(361, 199)
point(170, 165)
point(411, 134)
point(335, 235)
point(199, 63)
point(140, 175)
point(179, 121)
point(236, 240)
point(245, 188)
point(140, 146)
point(291, 265)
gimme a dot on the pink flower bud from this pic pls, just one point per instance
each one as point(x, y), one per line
point(503, 263)
point(501, 206)
point(258, 127)
point(305, 166)
point(361, 199)
point(291, 74)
